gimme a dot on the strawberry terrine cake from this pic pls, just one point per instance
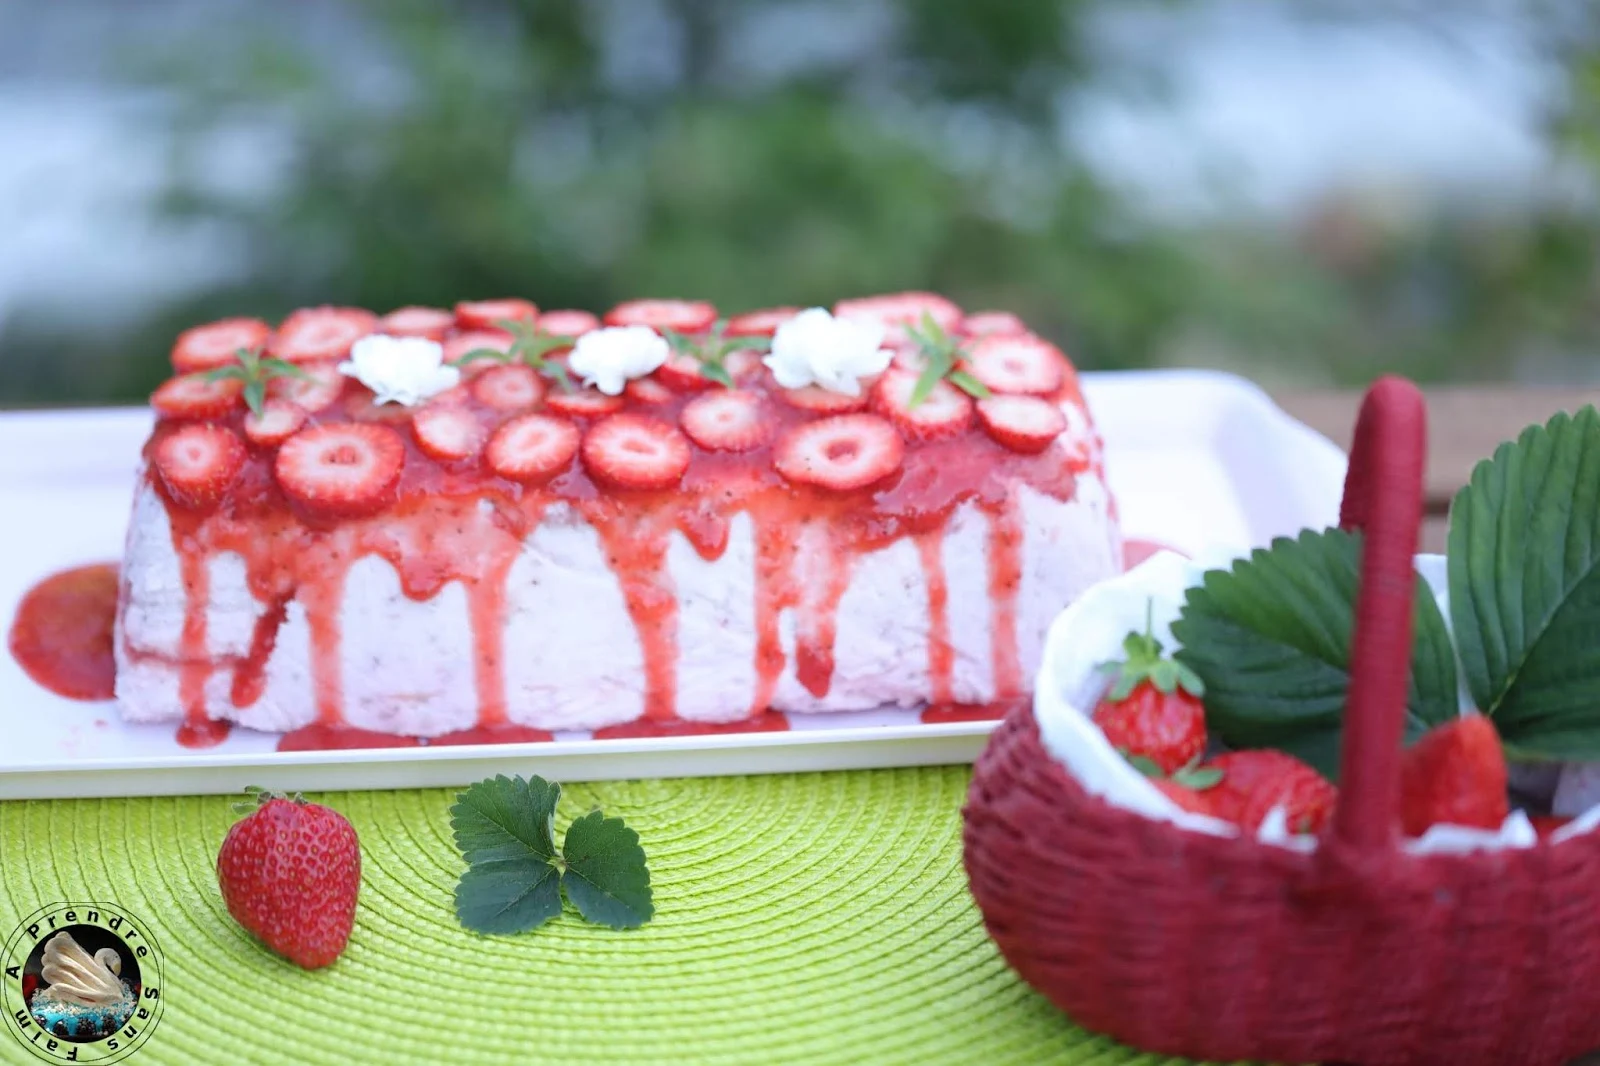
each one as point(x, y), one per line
point(441, 523)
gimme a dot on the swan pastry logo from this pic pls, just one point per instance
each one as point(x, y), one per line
point(82, 983)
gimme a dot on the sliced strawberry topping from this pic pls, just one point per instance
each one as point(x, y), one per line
point(278, 421)
point(635, 452)
point(198, 463)
point(1022, 423)
point(684, 316)
point(681, 371)
point(822, 401)
point(319, 334)
point(567, 323)
point(727, 420)
point(448, 432)
point(842, 453)
point(363, 406)
point(996, 323)
point(317, 391)
point(901, 309)
point(508, 388)
point(763, 323)
point(533, 447)
point(1023, 364)
point(495, 340)
point(344, 470)
point(210, 346)
point(583, 403)
point(944, 412)
point(192, 396)
point(488, 314)
point(648, 391)
point(429, 322)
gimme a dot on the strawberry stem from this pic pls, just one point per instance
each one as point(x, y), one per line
point(1145, 663)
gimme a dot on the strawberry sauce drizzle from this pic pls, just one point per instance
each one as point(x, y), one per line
point(941, 656)
point(460, 522)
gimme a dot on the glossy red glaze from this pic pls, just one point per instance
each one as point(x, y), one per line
point(438, 531)
point(62, 633)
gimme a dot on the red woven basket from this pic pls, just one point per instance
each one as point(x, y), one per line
point(1224, 948)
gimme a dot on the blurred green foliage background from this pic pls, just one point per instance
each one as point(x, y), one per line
point(409, 151)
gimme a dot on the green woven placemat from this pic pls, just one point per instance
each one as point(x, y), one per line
point(800, 918)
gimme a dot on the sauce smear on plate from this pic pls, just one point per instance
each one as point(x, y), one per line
point(62, 634)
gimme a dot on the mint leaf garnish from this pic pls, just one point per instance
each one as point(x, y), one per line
point(606, 877)
point(255, 370)
point(505, 828)
point(1270, 639)
point(941, 357)
point(530, 345)
point(1524, 566)
point(712, 348)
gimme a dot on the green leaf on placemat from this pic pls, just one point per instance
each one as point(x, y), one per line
point(1524, 563)
point(505, 828)
point(606, 878)
point(1271, 640)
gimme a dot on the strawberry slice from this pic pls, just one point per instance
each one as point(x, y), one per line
point(448, 432)
point(1023, 364)
point(496, 340)
point(818, 400)
point(319, 390)
point(341, 470)
point(635, 452)
point(727, 420)
point(533, 448)
point(584, 403)
point(842, 453)
point(198, 463)
point(192, 396)
point(684, 316)
point(898, 310)
point(508, 388)
point(1025, 424)
point(648, 391)
point(363, 406)
point(278, 421)
point(945, 412)
point(567, 323)
point(210, 346)
point(320, 334)
point(763, 323)
point(993, 323)
point(429, 322)
point(488, 314)
point(681, 371)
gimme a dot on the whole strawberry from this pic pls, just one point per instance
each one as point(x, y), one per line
point(1455, 774)
point(1254, 782)
point(1153, 709)
point(290, 872)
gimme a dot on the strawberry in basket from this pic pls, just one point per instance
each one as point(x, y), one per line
point(1153, 709)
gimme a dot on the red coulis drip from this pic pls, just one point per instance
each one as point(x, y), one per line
point(62, 633)
point(461, 522)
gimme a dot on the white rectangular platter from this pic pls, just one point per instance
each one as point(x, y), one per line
point(1202, 462)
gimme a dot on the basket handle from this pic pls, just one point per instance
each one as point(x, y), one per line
point(1383, 498)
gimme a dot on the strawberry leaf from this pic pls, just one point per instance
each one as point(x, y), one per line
point(606, 878)
point(505, 830)
point(1270, 638)
point(1524, 566)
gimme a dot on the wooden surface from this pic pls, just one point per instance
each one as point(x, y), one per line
point(1464, 426)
